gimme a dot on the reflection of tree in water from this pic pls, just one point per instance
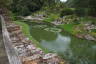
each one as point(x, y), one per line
point(82, 51)
point(40, 34)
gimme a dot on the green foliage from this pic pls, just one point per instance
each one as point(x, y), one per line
point(88, 7)
point(71, 19)
point(67, 27)
point(67, 11)
point(49, 3)
point(48, 20)
point(51, 17)
point(93, 34)
point(24, 7)
point(92, 12)
point(4, 3)
point(91, 20)
point(80, 12)
point(93, 30)
point(92, 6)
point(24, 11)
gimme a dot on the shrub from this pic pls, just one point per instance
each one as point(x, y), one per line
point(71, 19)
point(80, 12)
point(24, 11)
point(67, 11)
point(92, 12)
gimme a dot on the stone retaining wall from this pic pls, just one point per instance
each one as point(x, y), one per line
point(20, 49)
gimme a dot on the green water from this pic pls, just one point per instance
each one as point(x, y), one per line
point(75, 50)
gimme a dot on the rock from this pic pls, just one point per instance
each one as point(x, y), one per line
point(12, 28)
point(31, 47)
point(33, 57)
point(30, 62)
point(56, 22)
point(79, 35)
point(89, 37)
point(89, 26)
point(33, 18)
point(49, 55)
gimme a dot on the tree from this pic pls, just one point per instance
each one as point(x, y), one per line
point(89, 6)
point(4, 3)
point(92, 6)
point(18, 6)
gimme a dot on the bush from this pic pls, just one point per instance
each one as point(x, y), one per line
point(80, 12)
point(71, 19)
point(24, 11)
point(51, 17)
point(67, 11)
point(92, 12)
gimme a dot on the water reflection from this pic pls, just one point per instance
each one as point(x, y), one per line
point(50, 36)
point(60, 44)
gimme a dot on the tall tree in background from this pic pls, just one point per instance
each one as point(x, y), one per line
point(25, 7)
point(49, 3)
point(89, 6)
point(5, 3)
point(53, 5)
point(92, 6)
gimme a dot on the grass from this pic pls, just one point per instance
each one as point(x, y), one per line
point(26, 31)
point(88, 19)
point(70, 27)
point(67, 27)
point(51, 17)
point(48, 20)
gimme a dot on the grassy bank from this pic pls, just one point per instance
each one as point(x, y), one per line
point(67, 27)
point(51, 17)
point(26, 31)
point(80, 27)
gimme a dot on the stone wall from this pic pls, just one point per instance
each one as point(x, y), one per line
point(20, 49)
point(11, 53)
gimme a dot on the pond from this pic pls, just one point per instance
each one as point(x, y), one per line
point(75, 50)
